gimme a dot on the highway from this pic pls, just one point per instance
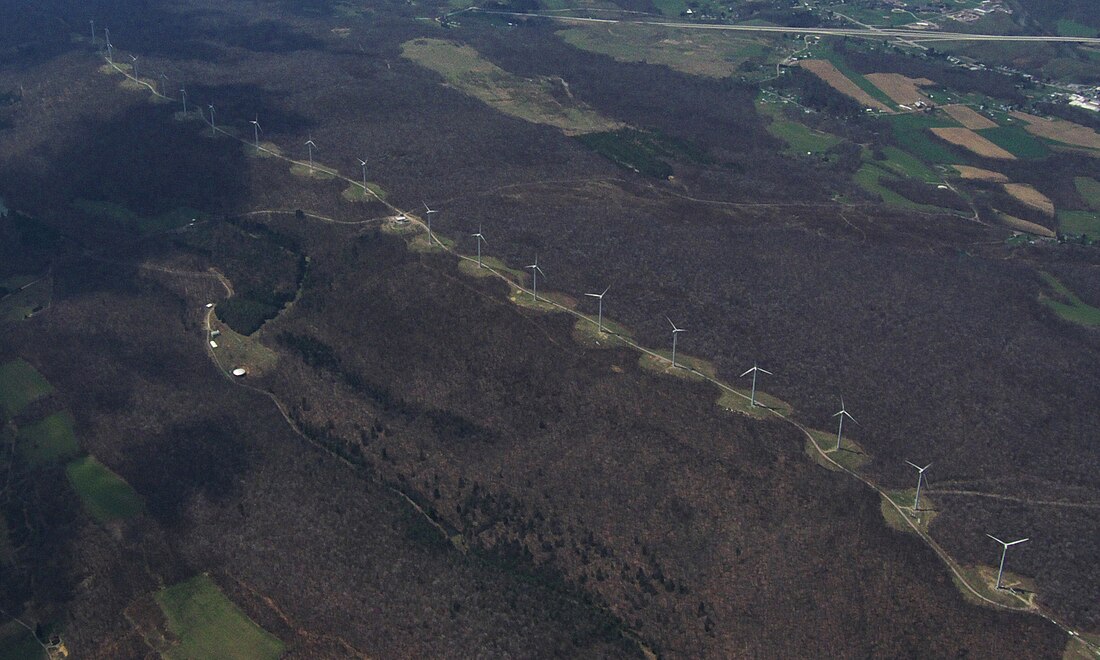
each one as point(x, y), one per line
point(865, 33)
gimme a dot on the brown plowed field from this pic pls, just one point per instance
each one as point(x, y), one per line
point(841, 83)
point(968, 139)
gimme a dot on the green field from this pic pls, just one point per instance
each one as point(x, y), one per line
point(858, 79)
point(50, 439)
point(1089, 190)
point(106, 496)
point(799, 137)
point(910, 131)
point(1070, 28)
point(1016, 140)
point(20, 384)
point(1081, 223)
point(868, 176)
point(208, 625)
point(905, 164)
point(1070, 307)
point(118, 213)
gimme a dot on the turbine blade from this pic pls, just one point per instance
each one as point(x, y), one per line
point(594, 295)
point(1020, 541)
point(913, 464)
point(747, 373)
point(767, 372)
point(605, 291)
point(926, 467)
point(996, 539)
point(671, 323)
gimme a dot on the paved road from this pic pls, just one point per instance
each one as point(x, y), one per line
point(867, 33)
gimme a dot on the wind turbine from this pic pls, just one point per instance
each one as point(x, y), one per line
point(599, 297)
point(310, 145)
point(754, 371)
point(920, 481)
point(675, 331)
point(480, 238)
point(163, 85)
point(363, 164)
point(133, 66)
point(1004, 551)
point(183, 95)
point(107, 42)
point(535, 271)
point(92, 23)
point(842, 414)
point(256, 131)
point(428, 211)
point(212, 128)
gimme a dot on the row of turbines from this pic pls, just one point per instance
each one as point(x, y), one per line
point(536, 271)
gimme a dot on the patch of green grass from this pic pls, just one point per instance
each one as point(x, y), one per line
point(208, 625)
point(355, 193)
point(907, 165)
point(105, 494)
point(645, 152)
point(868, 176)
point(850, 454)
point(1068, 305)
point(1081, 223)
point(912, 135)
point(687, 367)
point(1070, 28)
point(587, 334)
point(799, 137)
point(20, 385)
point(739, 401)
point(1016, 140)
point(859, 80)
point(120, 214)
point(469, 267)
point(1089, 190)
point(50, 439)
point(317, 172)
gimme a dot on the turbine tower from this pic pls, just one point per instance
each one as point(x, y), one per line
point(1004, 551)
point(133, 66)
point(842, 414)
point(256, 130)
point(428, 211)
point(363, 164)
point(310, 145)
point(213, 129)
point(535, 272)
point(92, 23)
point(480, 239)
point(675, 331)
point(183, 95)
point(599, 314)
point(107, 43)
point(920, 482)
point(754, 371)
point(163, 85)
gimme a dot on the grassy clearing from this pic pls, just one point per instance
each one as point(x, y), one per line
point(695, 52)
point(910, 131)
point(905, 164)
point(266, 150)
point(318, 172)
point(542, 100)
point(421, 243)
point(904, 499)
point(208, 625)
point(868, 177)
point(983, 579)
point(1081, 223)
point(17, 643)
point(850, 455)
point(1076, 649)
point(355, 193)
point(1070, 28)
point(105, 494)
point(24, 303)
point(687, 366)
point(117, 213)
point(1067, 305)
point(543, 303)
point(644, 152)
point(1016, 141)
point(50, 439)
point(20, 384)
point(798, 137)
point(765, 403)
point(237, 350)
point(1089, 190)
point(587, 334)
point(469, 267)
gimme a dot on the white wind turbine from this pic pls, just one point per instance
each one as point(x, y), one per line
point(310, 145)
point(535, 272)
point(754, 371)
point(1004, 551)
point(256, 130)
point(480, 239)
point(675, 331)
point(428, 211)
point(840, 428)
point(599, 314)
point(920, 482)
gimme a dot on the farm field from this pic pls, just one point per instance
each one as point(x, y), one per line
point(980, 174)
point(900, 89)
point(828, 72)
point(968, 117)
point(48, 440)
point(106, 496)
point(1059, 130)
point(206, 624)
point(1066, 304)
point(978, 144)
point(20, 384)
